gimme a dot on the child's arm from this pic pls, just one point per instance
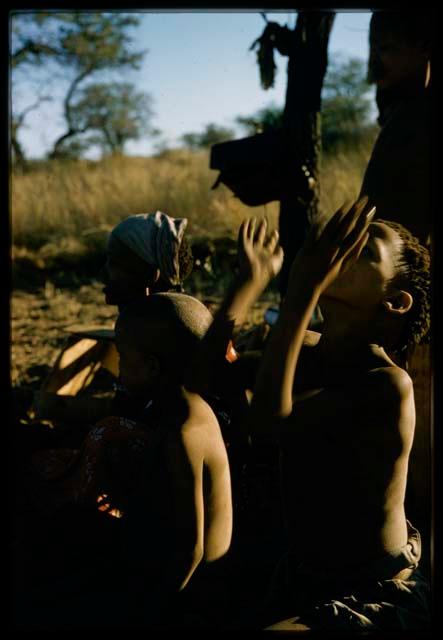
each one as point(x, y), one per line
point(260, 259)
point(185, 471)
point(324, 255)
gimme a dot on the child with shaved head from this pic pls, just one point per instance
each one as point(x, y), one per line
point(162, 475)
point(167, 471)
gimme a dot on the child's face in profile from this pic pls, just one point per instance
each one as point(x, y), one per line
point(363, 286)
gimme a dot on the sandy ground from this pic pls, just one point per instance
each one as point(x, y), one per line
point(42, 319)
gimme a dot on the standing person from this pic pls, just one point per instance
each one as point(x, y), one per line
point(346, 435)
point(398, 180)
point(398, 175)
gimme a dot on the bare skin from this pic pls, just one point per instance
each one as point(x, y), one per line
point(345, 437)
point(200, 447)
point(351, 430)
point(177, 505)
point(231, 314)
point(193, 487)
point(290, 624)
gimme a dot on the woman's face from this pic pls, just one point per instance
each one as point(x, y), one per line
point(125, 275)
point(364, 284)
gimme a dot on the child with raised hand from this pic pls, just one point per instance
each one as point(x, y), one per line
point(345, 439)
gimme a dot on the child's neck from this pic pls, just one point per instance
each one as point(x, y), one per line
point(168, 393)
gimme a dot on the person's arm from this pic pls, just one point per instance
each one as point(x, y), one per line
point(325, 254)
point(260, 259)
point(185, 468)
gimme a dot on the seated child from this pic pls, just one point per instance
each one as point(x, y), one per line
point(165, 473)
point(345, 439)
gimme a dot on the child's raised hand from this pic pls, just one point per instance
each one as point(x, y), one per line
point(328, 252)
point(260, 257)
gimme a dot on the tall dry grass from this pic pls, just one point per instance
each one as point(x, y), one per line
point(73, 205)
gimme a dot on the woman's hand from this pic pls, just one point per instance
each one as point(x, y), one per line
point(260, 257)
point(328, 252)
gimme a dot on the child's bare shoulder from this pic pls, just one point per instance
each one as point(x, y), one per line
point(201, 425)
point(391, 381)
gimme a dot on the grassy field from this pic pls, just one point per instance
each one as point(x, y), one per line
point(62, 212)
point(71, 206)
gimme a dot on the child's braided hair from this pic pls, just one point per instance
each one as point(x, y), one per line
point(413, 275)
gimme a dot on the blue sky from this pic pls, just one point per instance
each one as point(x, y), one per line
point(198, 70)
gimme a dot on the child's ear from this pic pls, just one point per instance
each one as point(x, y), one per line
point(398, 303)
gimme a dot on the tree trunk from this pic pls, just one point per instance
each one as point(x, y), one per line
point(19, 157)
point(302, 125)
point(57, 149)
point(16, 123)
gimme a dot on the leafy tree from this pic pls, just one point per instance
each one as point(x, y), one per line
point(212, 134)
point(115, 112)
point(30, 47)
point(91, 43)
point(346, 106)
point(81, 44)
point(345, 111)
point(16, 123)
point(266, 119)
point(31, 42)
